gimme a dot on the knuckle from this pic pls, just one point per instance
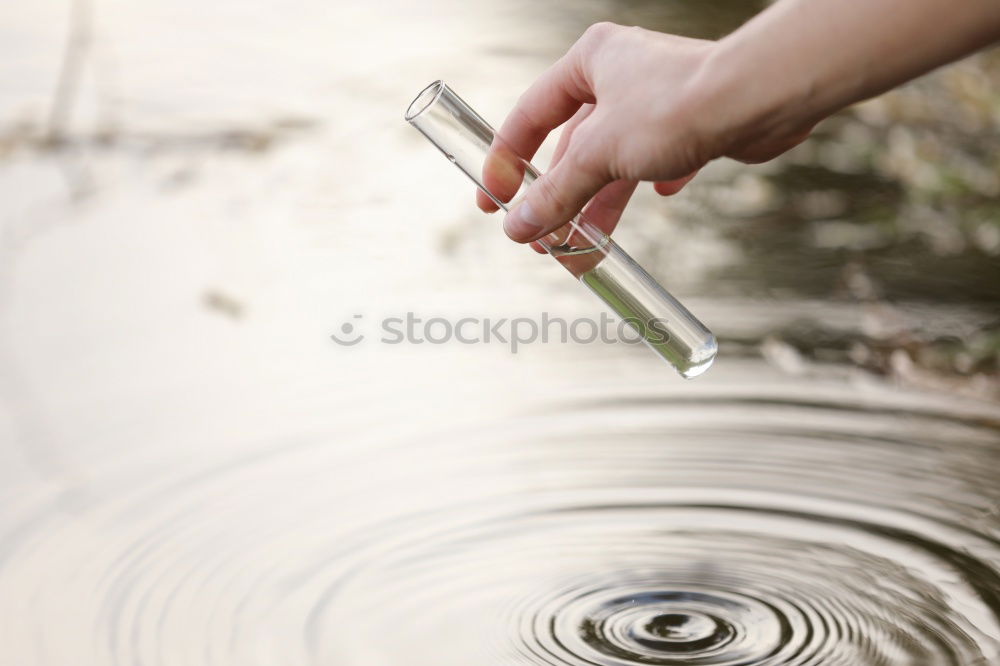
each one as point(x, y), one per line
point(598, 32)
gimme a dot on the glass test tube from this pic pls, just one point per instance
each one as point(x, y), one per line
point(468, 141)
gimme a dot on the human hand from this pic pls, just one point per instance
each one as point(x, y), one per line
point(632, 104)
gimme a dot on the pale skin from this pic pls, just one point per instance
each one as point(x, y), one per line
point(638, 105)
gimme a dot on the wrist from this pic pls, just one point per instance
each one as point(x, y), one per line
point(740, 97)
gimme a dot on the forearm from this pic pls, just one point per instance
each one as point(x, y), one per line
point(801, 60)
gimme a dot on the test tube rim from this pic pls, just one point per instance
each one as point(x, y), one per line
point(411, 112)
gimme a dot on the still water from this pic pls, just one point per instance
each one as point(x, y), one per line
point(193, 472)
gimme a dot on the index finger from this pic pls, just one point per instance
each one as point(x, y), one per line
point(548, 103)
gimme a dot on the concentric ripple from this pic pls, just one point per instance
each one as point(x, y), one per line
point(645, 528)
point(749, 541)
point(663, 622)
point(679, 583)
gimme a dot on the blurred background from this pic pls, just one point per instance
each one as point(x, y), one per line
point(196, 196)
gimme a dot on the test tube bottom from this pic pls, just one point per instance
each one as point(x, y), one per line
point(658, 318)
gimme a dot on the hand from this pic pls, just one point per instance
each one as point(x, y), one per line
point(650, 106)
point(630, 100)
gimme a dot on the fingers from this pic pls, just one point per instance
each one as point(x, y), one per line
point(555, 198)
point(668, 187)
point(550, 101)
point(606, 208)
point(554, 98)
point(483, 201)
point(567, 132)
point(503, 172)
point(564, 139)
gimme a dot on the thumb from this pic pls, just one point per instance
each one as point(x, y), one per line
point(555, 198)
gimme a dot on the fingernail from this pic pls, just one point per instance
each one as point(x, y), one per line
point(520, 223)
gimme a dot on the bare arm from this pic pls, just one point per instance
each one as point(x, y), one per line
point(643, 105)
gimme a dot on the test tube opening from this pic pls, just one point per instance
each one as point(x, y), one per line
point(424, 100)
